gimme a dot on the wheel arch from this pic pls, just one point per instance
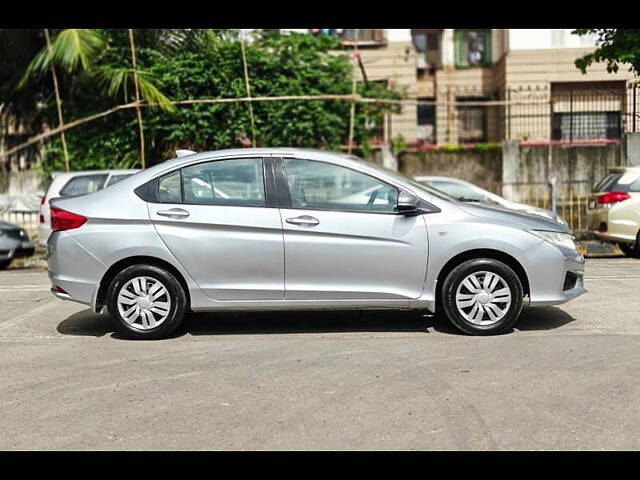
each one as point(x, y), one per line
point(505, 258)
point(138, 260)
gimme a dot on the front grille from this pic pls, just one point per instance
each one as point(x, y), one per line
point(570, 281)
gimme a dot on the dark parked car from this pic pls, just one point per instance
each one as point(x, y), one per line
point(14, 243)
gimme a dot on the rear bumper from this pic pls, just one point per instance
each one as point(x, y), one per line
point(72, 268)
point(613, 238)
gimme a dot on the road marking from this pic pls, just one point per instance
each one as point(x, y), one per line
point(25, 288)
point(621, 277)
point(51, 303)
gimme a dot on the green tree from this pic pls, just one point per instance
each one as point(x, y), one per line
point(615, 46)
point(200, 64)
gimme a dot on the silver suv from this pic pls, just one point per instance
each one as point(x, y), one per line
point(260, 229)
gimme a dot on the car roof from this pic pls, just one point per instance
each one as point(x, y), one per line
point(338, 158)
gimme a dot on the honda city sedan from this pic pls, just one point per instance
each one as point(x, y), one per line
point(292, 229)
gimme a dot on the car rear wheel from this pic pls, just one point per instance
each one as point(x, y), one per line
point(4, 264)
point(482, 296)
point(631, 249)
point(145, 302)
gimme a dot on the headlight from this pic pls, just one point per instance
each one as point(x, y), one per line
point(559, 239)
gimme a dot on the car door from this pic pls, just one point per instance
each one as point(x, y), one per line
point(213, 216)
point(344, 241)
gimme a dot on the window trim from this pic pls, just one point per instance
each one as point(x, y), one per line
point(283, 185)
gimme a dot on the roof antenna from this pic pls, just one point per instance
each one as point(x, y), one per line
point(184, 153)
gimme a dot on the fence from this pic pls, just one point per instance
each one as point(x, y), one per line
point(563, 113)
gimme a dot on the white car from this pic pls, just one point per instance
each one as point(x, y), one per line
point(468, 192)
point(71, 184)
point(614, 209)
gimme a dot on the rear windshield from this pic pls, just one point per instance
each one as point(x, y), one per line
point(611, 183)
point(83, 184)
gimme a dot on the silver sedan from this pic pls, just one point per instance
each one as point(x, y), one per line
point(260, 229)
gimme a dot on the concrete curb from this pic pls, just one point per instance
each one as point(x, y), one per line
point(594, 248)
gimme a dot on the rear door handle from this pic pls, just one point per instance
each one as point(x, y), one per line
point(303, 221)
point(174, 213)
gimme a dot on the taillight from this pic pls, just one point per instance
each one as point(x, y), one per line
point(43, 199)
point(41, 218)
point(63, 220)
point(612, 197)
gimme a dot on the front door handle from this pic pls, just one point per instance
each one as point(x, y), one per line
point(174, 213)
point(303, 221)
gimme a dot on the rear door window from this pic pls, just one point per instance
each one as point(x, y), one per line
point(83, 184)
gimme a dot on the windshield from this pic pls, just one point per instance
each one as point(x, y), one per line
point(417, 185)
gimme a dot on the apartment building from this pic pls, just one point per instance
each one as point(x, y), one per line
point(477, 86)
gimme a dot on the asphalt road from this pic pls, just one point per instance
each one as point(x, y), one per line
point(565, 378)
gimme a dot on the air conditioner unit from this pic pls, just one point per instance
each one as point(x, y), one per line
point(421, 62)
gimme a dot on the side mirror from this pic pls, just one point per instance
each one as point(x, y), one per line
point(408, 204)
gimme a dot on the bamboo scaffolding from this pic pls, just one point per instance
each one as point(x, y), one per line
point(137, 103)
point(352, 114)
point(56, 89)
point(246, 82)
point(326, 97)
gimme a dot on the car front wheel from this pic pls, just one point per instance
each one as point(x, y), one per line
point(482, 296)
point(145, 302)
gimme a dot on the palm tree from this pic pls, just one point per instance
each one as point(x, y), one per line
point(79, 51)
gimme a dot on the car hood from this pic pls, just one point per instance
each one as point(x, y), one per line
point(522, 219)
point(8, 226)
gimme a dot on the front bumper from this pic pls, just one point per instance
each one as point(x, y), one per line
point(547, 267)
point(17, 250)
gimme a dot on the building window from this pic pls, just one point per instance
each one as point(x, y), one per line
point(364, 36)
point(588, 110)
point(427, 45)
point(587, 126)
point(472, 121)
point(426, 121)
point(473, 48)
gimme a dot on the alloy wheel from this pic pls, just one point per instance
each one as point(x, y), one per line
point(144, 303)
point(483, 298)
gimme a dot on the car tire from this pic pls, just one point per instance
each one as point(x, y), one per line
point(482, 296)
point(4, 264)
point(145, 302)
point(631, 249)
